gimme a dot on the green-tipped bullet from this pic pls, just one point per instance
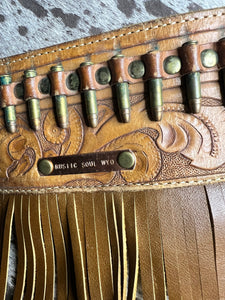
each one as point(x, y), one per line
point(91, 107)
point(33, 105)
point(122, 95)
point(61, 111)
point(61, 108)
point(9, 111)
point(193, 91)
point(156, 100)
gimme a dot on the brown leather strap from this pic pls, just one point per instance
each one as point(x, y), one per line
point(132, 243)
point(150, 246)
point(49, 247)
point(6, 247)
point(120, 216)
point(77, 234)
point(216, 197)
point(36, 229)
point(62, 202)
point(60, 249)
point(30, 251)
point(22, 258)
point(115, 246)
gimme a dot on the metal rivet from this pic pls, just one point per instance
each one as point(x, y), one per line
point(172, 64)
point(44, 86)
point(136, 69)
point(19, 91)
point(209, 58)
point(30, 73)
point(72, 81)
point(126, 159)
point(45, 166)
point(103, 75)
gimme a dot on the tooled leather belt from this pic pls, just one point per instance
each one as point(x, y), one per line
point(139, 108)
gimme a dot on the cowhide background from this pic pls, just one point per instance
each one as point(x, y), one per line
point(31, 24)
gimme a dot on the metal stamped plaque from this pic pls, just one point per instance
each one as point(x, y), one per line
point(87, 163)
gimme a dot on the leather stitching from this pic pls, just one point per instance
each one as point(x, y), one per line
point(219, 14)
point(66, 188)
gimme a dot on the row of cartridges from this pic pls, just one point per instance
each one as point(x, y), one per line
point(88, 79)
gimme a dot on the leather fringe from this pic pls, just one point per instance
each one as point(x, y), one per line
point(102, 245)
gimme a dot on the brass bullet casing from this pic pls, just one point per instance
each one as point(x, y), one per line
point(60, 102)
point(122, 94)
point(33, 105)
point(9, 111)
point(121, 88)
point(156, 99)
point(191, 77)
point(90, 102)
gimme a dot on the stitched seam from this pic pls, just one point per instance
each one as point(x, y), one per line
point(201, 181)
point(219, 14)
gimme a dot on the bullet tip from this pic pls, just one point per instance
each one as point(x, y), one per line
point(125, 115)
point(195, 105)
point(156, 113)
point(93, 120)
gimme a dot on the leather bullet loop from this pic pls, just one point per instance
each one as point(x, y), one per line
point(6, 103)
point(119, 80)
point(154, 83)
point(86, 72)
point(33, 104)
